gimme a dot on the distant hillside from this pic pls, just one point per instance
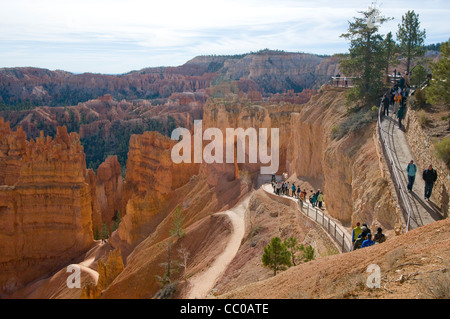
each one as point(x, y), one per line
point(265, 71)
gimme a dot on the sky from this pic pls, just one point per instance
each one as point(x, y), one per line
point(118, 36)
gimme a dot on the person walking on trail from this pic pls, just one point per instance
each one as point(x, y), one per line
point(368, 242)
point(411, 169)
point(386, 103)
point(379, 236)
point(400, 115)
point(361, 237)
point(366, 230)
point(356, 231)
point(397, 100)
point(392, 95)
point(298, 192)
point(293, 190)
point(429, 176)
point(312, 199)
point(320, 199)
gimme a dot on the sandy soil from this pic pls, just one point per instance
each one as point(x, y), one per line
point(202, 283)
point(412, 265)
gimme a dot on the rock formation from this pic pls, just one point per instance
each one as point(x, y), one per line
point(268, 71)
point(107, 272)
point(109, 189)
point(151, 178)
point(45, 205)
point(346, 169)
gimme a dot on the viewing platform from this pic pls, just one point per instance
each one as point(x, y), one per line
point(342, 81)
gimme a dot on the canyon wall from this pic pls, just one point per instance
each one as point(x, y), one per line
point(151, 178)
point(109, 191)
point(45, 205)
point(347, 170)
point(267, 71)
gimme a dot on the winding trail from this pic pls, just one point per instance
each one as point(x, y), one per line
point(202, 283)
point(422, 212)
point(344, 244)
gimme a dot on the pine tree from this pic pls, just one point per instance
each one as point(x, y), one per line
point(177, 223)
point(410, 37)
point(418, 75)
point(117, 219)
point(105, 231)
point(276, 256)
point(439, 89)
point(390, 49)
point(366, 59)
point(170, 266)
point(291, 245)
point(308, 253)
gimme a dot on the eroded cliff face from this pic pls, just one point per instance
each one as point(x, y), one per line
point(109, 190)
point(347, 170)
point(151, 178)
point(45, 205)
point(240, 113)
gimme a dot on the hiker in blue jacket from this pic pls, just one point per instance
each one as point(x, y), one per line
point(368, 242)
point(411, 169)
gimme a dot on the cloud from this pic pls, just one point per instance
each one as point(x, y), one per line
point(122, 35)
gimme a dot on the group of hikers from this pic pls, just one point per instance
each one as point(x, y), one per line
point(397, 96)
point(285, 188)
point(362, 236)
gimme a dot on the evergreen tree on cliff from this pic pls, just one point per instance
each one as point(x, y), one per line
point(410, 37)
point(390, 50)
point(366, 59)
point(276, 256)
point(439, 89)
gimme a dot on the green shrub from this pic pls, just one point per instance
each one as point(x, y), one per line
point(443, 150)
point(423, 119)
point(421, 98)
point(354, 122)
point(276, 256)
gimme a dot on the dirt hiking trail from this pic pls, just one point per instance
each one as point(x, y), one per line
point(202, 283)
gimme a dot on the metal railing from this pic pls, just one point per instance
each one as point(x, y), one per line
point(401, 194)
point(342, 81)
point(342, 239)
